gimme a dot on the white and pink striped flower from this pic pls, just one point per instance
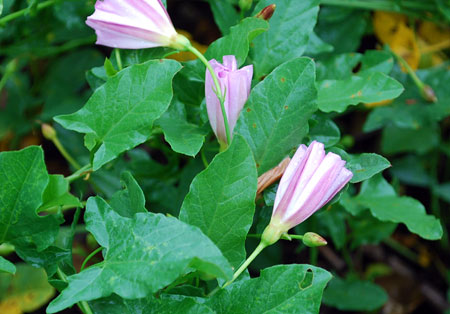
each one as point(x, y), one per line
point(310, 181)
point(134, 24)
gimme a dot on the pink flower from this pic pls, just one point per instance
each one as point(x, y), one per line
point(235, 84)
point(310, 181)
point(134, 24)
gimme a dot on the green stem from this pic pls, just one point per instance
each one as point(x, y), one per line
point(283, 236)
point(220, 94)
point(22, 12)
point(205, 162)
point(384, 5)
point(9, 70)
point(118, 59)
point(420, 85)
point(401, 249)
point(261, 246)
point(83, 305)
point(79, 173)
point(56, 209)
point(65, 154)
point(89, 257)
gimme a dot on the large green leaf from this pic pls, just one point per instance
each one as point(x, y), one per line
point(221, 200)
point(141, 256)
point(238, 41)
point(279, 289)
point(6, 266)
point(367, 87)
point(24, 178)
point(149, 305)
point(184, 137)
point(131, 199)
point(56, 195)
point(366, 165)
point(120, 114)
point(341, 294)
point(288, 35)
point(377, 195)
point(275, 118)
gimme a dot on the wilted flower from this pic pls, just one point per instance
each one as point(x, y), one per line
point(310, 181)
point(236, 85)
point(134, 24)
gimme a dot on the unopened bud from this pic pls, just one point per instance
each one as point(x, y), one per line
point(312, 239)
point(428, 94)
point(245, 5)
point(267, 12)
point(48, 131)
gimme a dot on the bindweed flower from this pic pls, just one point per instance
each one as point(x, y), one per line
point(310, 181)
point(134, 24)
point(236, 85)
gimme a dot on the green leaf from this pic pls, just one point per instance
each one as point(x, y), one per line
point(225, 14)
point(337, 67)
point(443, 191)
point(398, 140)
point(366, 165)
point(377, 195)
point(341, 293)
point(231, 178)
point(6, 266)
point(120, 114)
point(325, 131)
point(130, 200)
point(184, 137)
point(343, 28)
point(333, 221)
point(24, 179)
point(26, 291)
point(56, 195)
point(275, 118)
point(368, 230)
point(288, 35)
point(141, 256)
point(1, 7)
point(317, 46)
point(377, 61)
point(337, 95)
point(134, 56)
point(149, 305)
point(279, 289)
point(238, 41)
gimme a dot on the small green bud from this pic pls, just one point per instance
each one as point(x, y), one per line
point(312, 239)
point(245, 5)
point(48, 131)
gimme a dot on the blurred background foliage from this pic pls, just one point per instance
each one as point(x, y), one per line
point(48, 56)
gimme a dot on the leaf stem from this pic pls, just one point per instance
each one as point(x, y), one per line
point(384, 5)
point(283, 236)
point(90, 256)
point(79, 173)
point(9, 70)
point(220, 94)
point(65, 153)
point(118, 59)
point(261, 246)
point(22, 12)
point(82, 305)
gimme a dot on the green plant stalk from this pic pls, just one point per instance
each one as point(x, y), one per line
point(65, 153)
point(90, 256)
point(10, 69)
point(79, 173)
point(420, 85)
point(218, 91)
point(22, 12)
point(384, 5)
point(118, 59)
point(284, 236)
point(83, 305)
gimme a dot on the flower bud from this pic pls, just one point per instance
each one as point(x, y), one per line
point(267, 12)
point(245, 5)
point(312, 239)
point(311, 180)
point(48, 131)
point(235, 84)
point(134, 25)
point(428, 94)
